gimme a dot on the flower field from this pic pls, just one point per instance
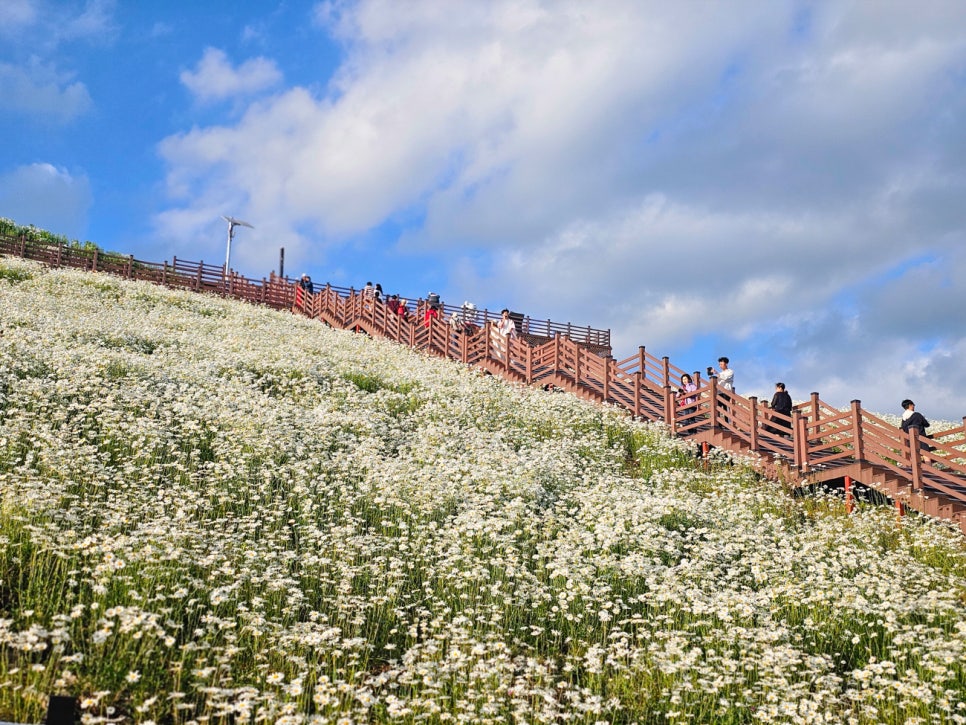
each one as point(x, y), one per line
point(212, 512)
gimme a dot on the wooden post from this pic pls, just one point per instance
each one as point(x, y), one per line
point(607, 370)
point(638, 384)
point(506, 354)
point(848, 495)
point(94, 261)
point(797, 447)
point(556, 354)
point(529, 365)
point(803, 442)
point(666, 370)
point(642, 361)
point(60, 251)
point(669, 411)
point(754, 422)
point(915, 459)
point(858, 445)
point(130, 266)
point(714, 401)
point(577, 366)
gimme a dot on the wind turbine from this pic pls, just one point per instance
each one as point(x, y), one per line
point(232, 223)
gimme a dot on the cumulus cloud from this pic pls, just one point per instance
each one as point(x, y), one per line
point(42, 92)
point(94, 21)
point(764, 174)
point(15, 15)
point(34, 31)
point(47, 197)
point(43, 25)
point(215, 79)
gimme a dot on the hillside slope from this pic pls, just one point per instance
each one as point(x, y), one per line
point(211, 510)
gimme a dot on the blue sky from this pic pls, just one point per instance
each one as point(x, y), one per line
point(779, 182)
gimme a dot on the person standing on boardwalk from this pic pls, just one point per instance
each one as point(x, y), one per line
point(726, 380)
point(505, 326)
point(911, 419)
point(685, 400)
point(302, 288)
point(781, 402)
point(501, 333)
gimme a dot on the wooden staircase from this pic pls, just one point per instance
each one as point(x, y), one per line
point(821, 444)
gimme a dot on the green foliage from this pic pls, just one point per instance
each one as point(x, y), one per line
point(35, 236)
point(365, 382)
point(14, 275)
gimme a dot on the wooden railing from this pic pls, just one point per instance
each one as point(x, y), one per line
point(816, 440)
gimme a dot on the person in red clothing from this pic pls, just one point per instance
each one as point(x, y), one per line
point(431, 312)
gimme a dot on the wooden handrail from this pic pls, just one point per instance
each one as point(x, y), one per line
point(578, 359)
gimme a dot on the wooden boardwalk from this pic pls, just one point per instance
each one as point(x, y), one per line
point(816, 444)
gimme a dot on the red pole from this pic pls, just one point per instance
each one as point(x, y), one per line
point(849, 504)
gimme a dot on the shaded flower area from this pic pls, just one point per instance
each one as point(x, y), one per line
point(213, 512)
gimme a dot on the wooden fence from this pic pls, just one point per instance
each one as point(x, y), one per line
point(815, 443)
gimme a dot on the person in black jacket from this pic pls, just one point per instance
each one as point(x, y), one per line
point(911, 419)
point(781, 402)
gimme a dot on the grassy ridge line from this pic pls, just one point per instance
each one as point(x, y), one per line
point(211, 510)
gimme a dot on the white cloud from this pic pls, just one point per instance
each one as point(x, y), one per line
point(15, 15)
point(42, 92)
point(94, 22)
point(47, 197)
point(737, 172)
point(42, 25)
point(32, 81)
point(215, 79)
